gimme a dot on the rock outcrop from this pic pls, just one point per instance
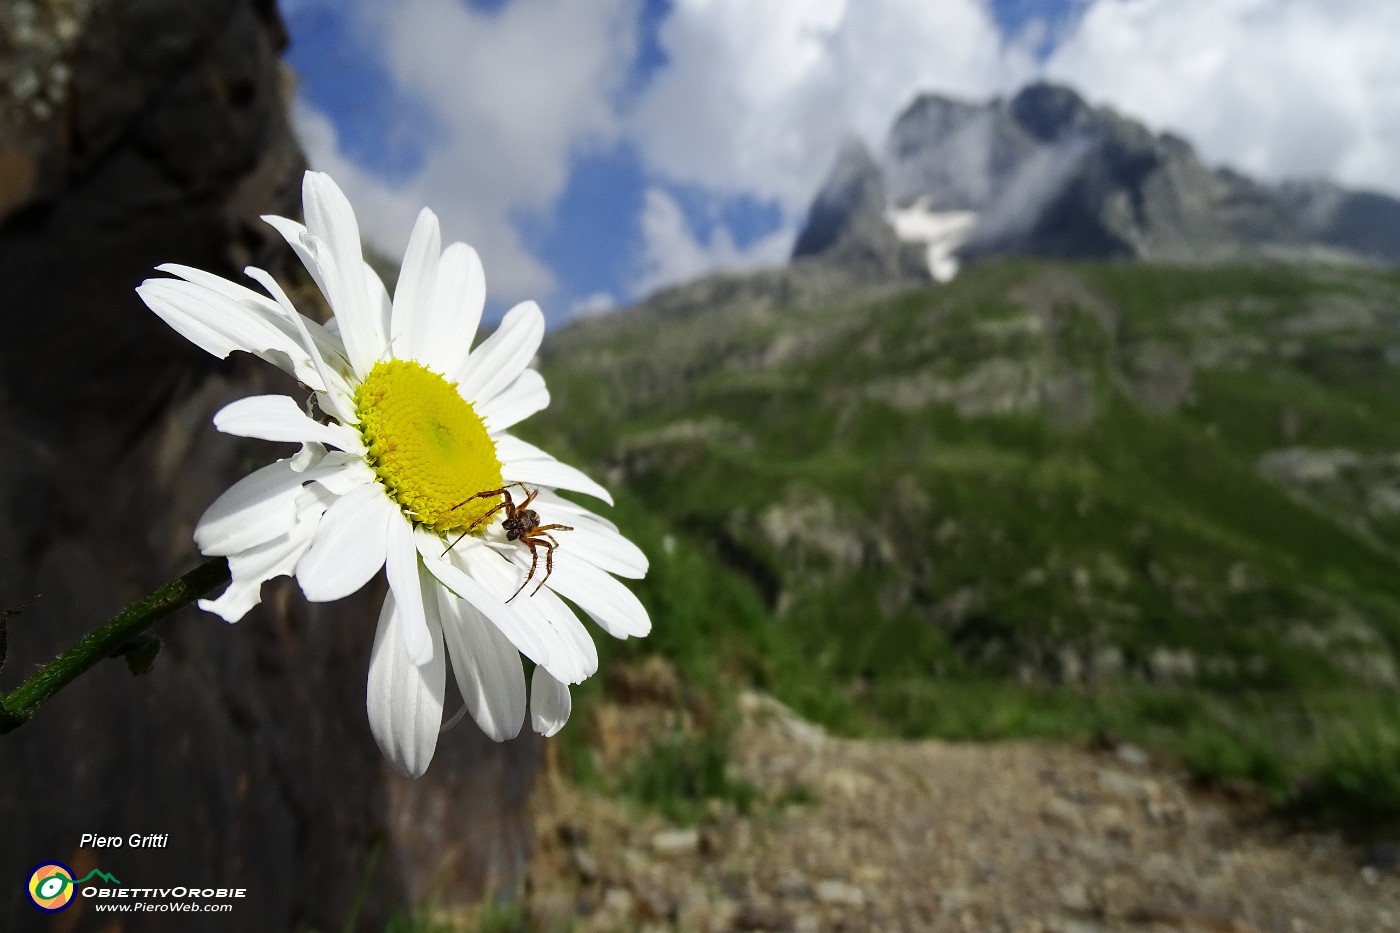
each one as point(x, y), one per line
point(132, 134)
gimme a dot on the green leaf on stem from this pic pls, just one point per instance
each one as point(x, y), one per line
point(140, 653)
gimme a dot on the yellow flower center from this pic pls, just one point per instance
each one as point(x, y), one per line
point(427, 445)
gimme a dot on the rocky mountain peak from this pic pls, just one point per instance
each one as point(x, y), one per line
point(1046, 173)
point(1049, 111)
point(847, 219)
point(854, 191)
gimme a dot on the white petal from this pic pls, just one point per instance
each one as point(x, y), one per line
point(240, 596)
point(574, 513)
point(528, 641)
point(487, 667)
point(526, 463)
point(446, 326)
point(572, 631)
point(608, 602)
point(322, 342)
point(550, 703)
point(252, 568)
point(341, 472)
point(403, 699)
point(504, 355)
point(334, 243)
point(521, 399)
point(382, 307)
point(414, 290)
point(323, 349)
point(361, 288)
point(350, 545)
point(307, 456)
point(217, 283)
point(219, 325)
point(259, 507)
point(300, 241)
point(503, 579)
point(279, 418)
point(603, 548)
point(401, 564)
point(264, 504)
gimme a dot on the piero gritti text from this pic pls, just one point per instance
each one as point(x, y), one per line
point(134, 841)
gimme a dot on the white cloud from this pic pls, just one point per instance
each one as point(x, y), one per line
point(759, 93)
point(672, 253)
point(594, 304)
point(514, 94)
point(756, 96)
point(1278, 88)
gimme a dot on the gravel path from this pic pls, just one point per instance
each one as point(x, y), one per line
point(1015, 836)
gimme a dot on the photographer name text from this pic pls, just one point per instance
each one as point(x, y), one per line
point(134, 841)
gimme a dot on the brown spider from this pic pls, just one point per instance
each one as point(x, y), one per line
point(522, 524)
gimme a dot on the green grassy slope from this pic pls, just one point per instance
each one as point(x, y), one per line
point(1041, 500)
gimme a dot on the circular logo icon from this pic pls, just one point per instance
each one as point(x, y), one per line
point(51, 886)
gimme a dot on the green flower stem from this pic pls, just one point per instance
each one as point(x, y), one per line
point(20, 704)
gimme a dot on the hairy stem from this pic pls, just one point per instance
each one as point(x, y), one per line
point(20, 704)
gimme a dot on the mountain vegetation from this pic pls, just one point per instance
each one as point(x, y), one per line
point(1070, 499)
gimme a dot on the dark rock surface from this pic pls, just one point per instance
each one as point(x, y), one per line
point(1050, 175)
point(159, 130)
point(131, 134)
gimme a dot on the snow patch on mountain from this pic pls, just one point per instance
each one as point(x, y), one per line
point(940, 232)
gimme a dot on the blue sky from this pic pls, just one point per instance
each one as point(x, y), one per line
point(593, 152)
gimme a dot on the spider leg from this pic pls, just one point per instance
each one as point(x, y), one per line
point(505, 491)
point(508, 505)
point(528, 499)
point(455, 541)
point(548, 563)
point(458, 505)
point(534, 560)
point(540, 528)
point(501, 491)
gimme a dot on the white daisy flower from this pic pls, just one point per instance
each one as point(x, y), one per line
point(412, 433)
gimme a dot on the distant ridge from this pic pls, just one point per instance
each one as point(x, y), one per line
point(1047, 174)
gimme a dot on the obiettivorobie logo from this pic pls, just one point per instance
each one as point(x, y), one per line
point(52, 886)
